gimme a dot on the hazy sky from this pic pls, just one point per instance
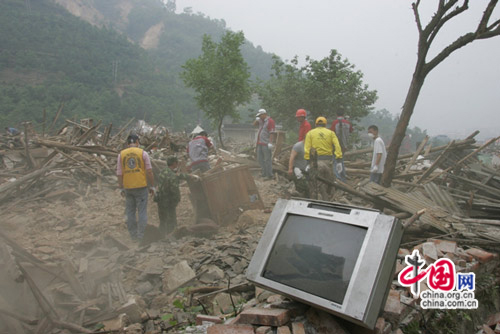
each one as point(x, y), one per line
point(379, 37)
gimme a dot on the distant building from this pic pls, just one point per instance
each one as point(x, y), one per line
point(245, 134)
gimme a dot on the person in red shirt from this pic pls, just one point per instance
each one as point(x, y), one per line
point(305, 126)
point(265, 139)
point(342, 128)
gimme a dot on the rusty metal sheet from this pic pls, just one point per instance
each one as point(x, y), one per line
point(228, 193)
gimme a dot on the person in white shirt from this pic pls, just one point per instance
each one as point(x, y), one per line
point(379, 155)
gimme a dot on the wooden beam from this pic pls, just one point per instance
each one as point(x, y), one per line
point(56, 117)
point(416, 154)
point(461, 161)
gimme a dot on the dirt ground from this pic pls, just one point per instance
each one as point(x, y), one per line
point(73, 228)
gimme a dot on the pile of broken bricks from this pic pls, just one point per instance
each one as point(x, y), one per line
point(269, 313)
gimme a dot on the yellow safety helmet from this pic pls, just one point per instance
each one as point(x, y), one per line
point(321, 120)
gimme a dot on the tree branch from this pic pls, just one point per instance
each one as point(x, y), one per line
point(417, 15)
point(443, 7)
point(483, 24)
point(457, 44)
point(482, 32)
point(496, 23)
point(458, 10)
point(489, 34)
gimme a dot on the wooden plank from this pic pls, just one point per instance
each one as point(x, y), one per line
point(107, 132)
point(415, 156)
point(436, 163)
point(280, 140)
point(44, 122)
point(56, 117)
point(17, 316)
point(80, 163)
point(87, 149)
point(434, 215)
point(31, 161)
point(7, 188)
point(118, 134)
point(69, 272)
point(87, 134)
point(464, 159)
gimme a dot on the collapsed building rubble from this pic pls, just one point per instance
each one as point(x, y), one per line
point(75, 271)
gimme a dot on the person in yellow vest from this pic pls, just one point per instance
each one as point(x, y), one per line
point(134, 175)
point(326, 144)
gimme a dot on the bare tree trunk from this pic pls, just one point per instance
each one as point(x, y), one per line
point(400, 132)
point(446, 11)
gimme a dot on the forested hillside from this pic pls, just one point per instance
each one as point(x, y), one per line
point(49, 57)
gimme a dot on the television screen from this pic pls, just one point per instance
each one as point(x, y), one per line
point(336, 257)
point(315, 255)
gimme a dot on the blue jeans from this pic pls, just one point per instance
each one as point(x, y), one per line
point(341, 176)
point(136, 200)
point(375, 177)
point(203, 166)
point(265, 160)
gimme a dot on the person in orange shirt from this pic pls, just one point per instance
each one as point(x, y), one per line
point(305, 126)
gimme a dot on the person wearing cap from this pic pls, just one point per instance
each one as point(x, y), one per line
point(343, 129)
point(168, 195)
point(265, 139)
point(198, 149)
point(326, 144)
point(134, 173)
point(305, 126)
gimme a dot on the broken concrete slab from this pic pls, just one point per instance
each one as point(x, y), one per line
point(222, 304)
point(212, 274)
point(177, 275)
point(132, 309)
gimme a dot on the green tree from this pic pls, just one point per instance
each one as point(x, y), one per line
point(220, 77)
point(320, 86)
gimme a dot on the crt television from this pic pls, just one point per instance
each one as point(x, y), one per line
point(334, 257)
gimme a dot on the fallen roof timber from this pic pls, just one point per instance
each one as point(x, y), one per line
point(434, 216)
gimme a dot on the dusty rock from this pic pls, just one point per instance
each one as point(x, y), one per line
point(213, 274)
point(134, 329)
point(132, 310)
point(117, 323)
point(222, 304)
point(143, 288)
point(177, 275)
